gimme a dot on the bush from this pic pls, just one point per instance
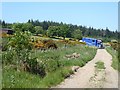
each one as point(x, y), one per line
point(19, 51)
point(4, 43)
point(51, 62)
point(49, 44)
point(51, 65)
point(35, 67)
point(114, 45)
point(44, 44)
point(66, 72)
point(7, 57)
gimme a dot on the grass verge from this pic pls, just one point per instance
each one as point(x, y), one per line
point(115, 62)
point(19, 79)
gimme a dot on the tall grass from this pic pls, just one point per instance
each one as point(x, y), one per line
point(17, 79)
point(0, 69)
point(57, 67)
point(86, 54)
point(115, 61)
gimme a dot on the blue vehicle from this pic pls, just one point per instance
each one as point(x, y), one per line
point(93, 42)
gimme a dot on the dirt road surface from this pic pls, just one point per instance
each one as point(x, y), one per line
point(89, 77)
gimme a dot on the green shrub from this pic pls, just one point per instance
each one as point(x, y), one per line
point(51, 65)
point(66, 72)
point(19, 53)
point(49, 44)
point(4, 43)
point(7, 57)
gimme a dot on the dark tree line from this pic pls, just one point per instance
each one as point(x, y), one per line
point(61, 29)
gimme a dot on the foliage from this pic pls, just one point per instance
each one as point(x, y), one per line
point(17, 26)
point(49, 44)
point(60, 31)
point(77, 34)
point(16, 79)
point(4, 42)
point(62, 28)
point(19, 79)
point(86, 54)
point(51, 65)
point(115, 58)
point(28, 27)
point(45, 63)
point(44, 44)
point(100, 65)
point(38, 30)
point(52, 62)
point(115, 45)
point(19, 53)
point(57, 77)
point(19, 45)
point(23, 27)
point(53, 31)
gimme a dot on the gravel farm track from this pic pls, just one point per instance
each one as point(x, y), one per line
point(89, 77)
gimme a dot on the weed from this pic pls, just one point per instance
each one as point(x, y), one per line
point(100, 65)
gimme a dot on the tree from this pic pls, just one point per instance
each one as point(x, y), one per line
point(107, 33)
point(64, 30)
point(0, 22)
point(45, 25)
point(29, 21)
point(77, 34)
point(17, 26)
point(28, 27)
point(36, 23)
point(3, 24)
point(86, 33)
point(19, 45)
point(52, 31)
point(20, 50)
point(23, 27)
point(38, 30)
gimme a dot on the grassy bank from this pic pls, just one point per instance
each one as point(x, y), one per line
point(50, 60)
point(115, 62)
point(16, 79)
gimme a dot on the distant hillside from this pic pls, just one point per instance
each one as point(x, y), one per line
point(104, 34)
